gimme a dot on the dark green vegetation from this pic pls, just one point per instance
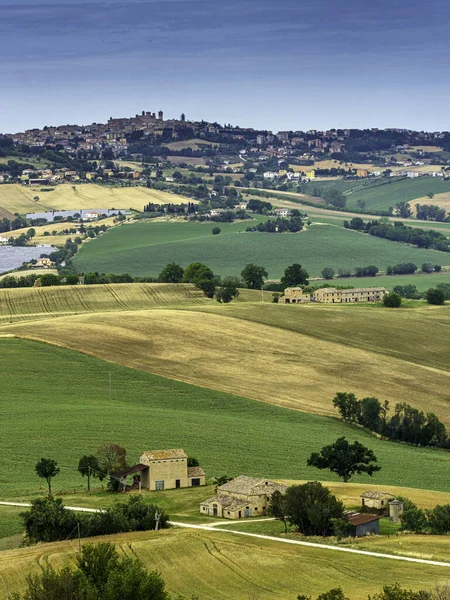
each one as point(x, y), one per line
point(144, 249)
point(345, 459)
point(69, 412)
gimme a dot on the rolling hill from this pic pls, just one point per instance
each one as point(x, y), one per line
point(145, 248)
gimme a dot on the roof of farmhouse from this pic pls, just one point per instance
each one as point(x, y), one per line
point(251, 485)
point(165, 454)
point(351, 290)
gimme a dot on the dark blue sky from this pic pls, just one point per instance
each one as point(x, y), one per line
point(286, 64)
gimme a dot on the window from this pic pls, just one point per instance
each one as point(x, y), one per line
point(159, 485)
point(196, 482)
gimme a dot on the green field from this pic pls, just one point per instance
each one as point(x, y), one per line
point(422, 282)
point(145, 248)
point(380, 194)
point(56, 403)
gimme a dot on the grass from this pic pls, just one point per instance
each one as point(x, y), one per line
point(17, 198)
point(69, 412)
point(293, 356)
point(145, 248)
point(221, 566)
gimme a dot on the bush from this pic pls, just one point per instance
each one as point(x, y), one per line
point(392, 300)
point(216, 230)
point(435, 296)
point(327, 273)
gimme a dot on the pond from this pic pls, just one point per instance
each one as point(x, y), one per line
point(12, 257)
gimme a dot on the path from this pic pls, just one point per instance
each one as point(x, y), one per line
point(272, 538)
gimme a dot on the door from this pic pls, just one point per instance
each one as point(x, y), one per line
point(247, 513)
point(177, 484)
point(214, 510)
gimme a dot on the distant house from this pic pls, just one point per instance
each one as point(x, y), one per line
point(241, 497)
point(282, 212)
point(294, 295)
point(164, 470)
point(92, 216)
point(362, 173)
point(374, 499)
point(3, 241)
point(44, 263)
point(363, 523)
point(335, 296)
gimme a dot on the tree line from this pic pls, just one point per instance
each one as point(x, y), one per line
point(406, 424)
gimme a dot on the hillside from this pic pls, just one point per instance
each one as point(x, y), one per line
point(18, 198)
point(290, 356)
point(236, 568)
point(145, 248)
point(72, 410)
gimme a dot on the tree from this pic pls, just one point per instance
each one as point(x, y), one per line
point(392, 300)
point(345, 459)
point(112, 458)
point(48, 521)
point(348, 405)
point(435, 296)
point(47, 468)
point(172, 273)
point(196, 272)
point(277, 508)
point(294, 275)
point(328, 273)
point(89, 467)
point(427, 268)
point(192, 462)
point(254, 276)
point(221, 480)
point(215, 230)
point(311, 507)
point(403, 210)
point(49, 279)
point(228, 290)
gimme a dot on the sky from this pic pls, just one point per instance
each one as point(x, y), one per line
point(277, 65)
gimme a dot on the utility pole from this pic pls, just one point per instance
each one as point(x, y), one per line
point(79, 538)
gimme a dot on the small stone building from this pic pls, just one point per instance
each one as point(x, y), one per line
point(363, 524)
point(377, 500)
point(241, 497)
point(294, 295)
point(165, 470)
point(335, 296)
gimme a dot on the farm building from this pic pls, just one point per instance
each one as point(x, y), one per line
point(241, 497)
point(44, 263)
point(294, 295)
point(164, 470)
point(374, 499)
point(334, 296)
point(363, 523)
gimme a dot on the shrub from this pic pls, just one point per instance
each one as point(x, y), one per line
point(392, 300)
point(216, 230)
point(328, 273)
point(435, 296)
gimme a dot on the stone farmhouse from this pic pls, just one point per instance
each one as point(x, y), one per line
point(241, 497)
point(333, 296)
point(377, 500)
point(294, 295)
point(163, 470)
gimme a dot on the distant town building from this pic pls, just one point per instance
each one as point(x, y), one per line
point(294, 295)
point(334, 296)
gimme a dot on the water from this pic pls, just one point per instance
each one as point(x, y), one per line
point(12, 257)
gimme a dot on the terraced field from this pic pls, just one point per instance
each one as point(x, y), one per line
point(17, 198)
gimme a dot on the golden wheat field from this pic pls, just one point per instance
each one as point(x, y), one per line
point(225, 566)
point(297, 357)
point(17, 198)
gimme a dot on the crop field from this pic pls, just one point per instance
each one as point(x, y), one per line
point(236, 568)
point(17, 198)
point(264, 350)
point(70, 411)
point(423, 282)
point(145, 248)
point(31, 303)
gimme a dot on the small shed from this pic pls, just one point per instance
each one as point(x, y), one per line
point(364, 524)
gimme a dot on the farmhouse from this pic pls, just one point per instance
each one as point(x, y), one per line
point(377, 500)
point(44, 263)
point(164, 470)
point(333, 296)
point(294, 295)
point(241, 497)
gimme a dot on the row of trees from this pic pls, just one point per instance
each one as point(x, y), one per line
point(407, 424)
point(279, 225)
point(418, 520)
point(398, 232)
point(48, 520)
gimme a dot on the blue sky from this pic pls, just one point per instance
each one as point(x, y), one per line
point(286, 64)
